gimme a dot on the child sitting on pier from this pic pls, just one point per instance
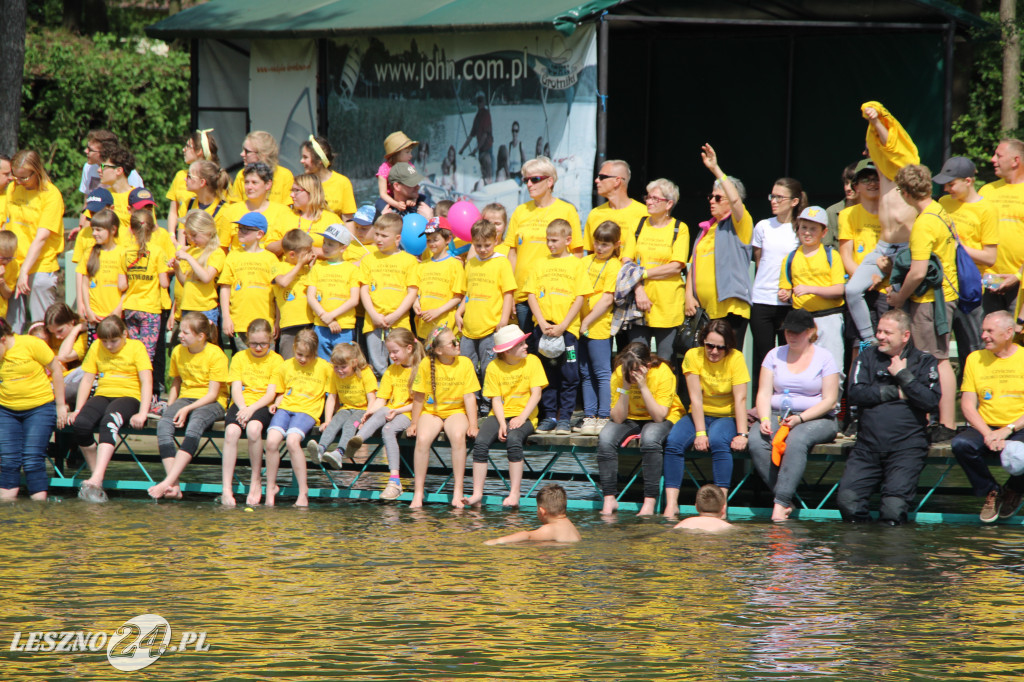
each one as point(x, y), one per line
point(555, 525)
point(710, 505)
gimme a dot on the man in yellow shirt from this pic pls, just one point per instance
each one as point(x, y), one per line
point(612, 183)
point(993, 404)
point(1008, 195)
point(931, 235)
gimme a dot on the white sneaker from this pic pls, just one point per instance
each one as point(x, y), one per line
point(595, 427)
point(315, 451)
point(584, 426)
point(332, 459)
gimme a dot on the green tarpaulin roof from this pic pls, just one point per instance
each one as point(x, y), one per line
point(312, 18)
point(322, 18)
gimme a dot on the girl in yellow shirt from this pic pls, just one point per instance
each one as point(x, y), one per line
point(30, 408)
point(105, 280)
point(146, 265)
point(199, 145)
point(123, 395)
point(252, 398)
point(198, 396)
point(302, 384)
point(196, 268)
point(443, 397)
point(355, 387)
point(67, 335)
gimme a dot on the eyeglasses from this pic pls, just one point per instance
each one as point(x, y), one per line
point(247, 228)
point(89, 149)
point(259, 344)
point(248, 151)
point(192, 177)
point(109, 165)
point(713, 346)
point(533, 180)
point(715, 198)
point(651, 197)
point(296, 190)
point(602, 176)
point(778, 197)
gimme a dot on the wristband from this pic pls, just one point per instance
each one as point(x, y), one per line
point(745, 435)
point(766, 420)
point(1012, 427)
point(622, 391)
point(702, 433)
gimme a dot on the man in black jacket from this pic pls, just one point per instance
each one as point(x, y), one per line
point(895, 386)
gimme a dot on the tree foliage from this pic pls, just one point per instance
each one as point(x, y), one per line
point(73, 84)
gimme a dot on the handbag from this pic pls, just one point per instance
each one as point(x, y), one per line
point(687, 337)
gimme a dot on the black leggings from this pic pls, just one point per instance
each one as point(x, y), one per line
point(514, 440)
point(109, 413)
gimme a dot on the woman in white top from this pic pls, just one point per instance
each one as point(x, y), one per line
point(773, 240)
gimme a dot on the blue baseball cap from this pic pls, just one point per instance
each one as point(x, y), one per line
point(365, 215)
point(99, 199)
point(253, 219)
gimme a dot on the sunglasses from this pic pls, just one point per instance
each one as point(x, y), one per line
point(602, 176)
point(533, 180)
point(716, 197)
point(713, 346)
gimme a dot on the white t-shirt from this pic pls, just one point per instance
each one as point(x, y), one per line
point(775, 240)
point(91, 178)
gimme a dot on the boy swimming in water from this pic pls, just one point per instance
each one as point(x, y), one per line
point(710, 509)
point(556, 526)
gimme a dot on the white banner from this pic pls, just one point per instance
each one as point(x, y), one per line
point(480, 104)
point(282, 94)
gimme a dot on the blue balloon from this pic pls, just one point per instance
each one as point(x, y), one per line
point(413, 239)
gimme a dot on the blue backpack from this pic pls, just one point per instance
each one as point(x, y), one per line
point(792, 255)
point(967, 273)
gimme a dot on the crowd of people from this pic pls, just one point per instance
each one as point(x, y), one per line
point(276, 304)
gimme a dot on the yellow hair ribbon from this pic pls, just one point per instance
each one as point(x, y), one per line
point(205, 142)
point(319, 151)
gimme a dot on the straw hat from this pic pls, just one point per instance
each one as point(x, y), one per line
point(396, 142)
point(508, 337)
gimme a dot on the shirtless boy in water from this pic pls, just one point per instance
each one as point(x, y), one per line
point(710, 509)
point(551, 511)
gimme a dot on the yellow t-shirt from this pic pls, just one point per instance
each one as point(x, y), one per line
point(717, 379)
point(11, 271)
point(280, 191)
point(930, 235)
point(528, 235)
point(660, 246)
point(815, 271)
point(118, 373)
point(124, 217)
point(339, 195)
point(602, 275)
point(197, 370)
point(352, 390)
point(438, 282)
point(143, 270)
point(626, 218)
point(354, 253)
point(976, 223)
point(28, 211)
point(195, 295)
point(997, 383)
point(394, 386)
point(313, 228)
point(333, 284)
point(279, 217)
point(254, 373)
point(705, 285)
point(452, 382)
point(249, 277)
point(862, 227)
point(178, 192)
point(389, 277)
point(305, 387)
point(662, 384)
point(487, 281)
point(556, 282)
point(1009, 202)
point(512, 383)
point(291, 301)
point(23, 381)
point(102, 289)
point(79, 347)
point(217, 210)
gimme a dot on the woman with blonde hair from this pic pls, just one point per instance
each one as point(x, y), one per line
point(260, 146)
point(312, 215)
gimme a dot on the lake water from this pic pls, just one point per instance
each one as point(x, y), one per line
point(373, 591)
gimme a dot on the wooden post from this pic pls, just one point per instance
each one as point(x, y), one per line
point(1011, 64)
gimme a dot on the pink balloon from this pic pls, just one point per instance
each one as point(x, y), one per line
point(461, 217)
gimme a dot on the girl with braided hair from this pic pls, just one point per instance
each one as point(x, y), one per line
point(443, 397)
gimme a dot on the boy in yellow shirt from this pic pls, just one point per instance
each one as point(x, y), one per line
point(246, 283)
point(487, 306)
point(387, 279)
point(333, 292)
point(555, 293)
point(440, 281)
point(290, 288)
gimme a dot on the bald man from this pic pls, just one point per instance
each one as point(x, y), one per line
point(993, 404)
point(1007, 193)
point(612, 183)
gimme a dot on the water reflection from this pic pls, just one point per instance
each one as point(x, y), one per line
point(367, 591)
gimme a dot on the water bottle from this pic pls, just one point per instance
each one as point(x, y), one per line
point(988, 281)
point(787, 406)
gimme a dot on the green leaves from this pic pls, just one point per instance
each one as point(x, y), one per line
point(73, 84)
